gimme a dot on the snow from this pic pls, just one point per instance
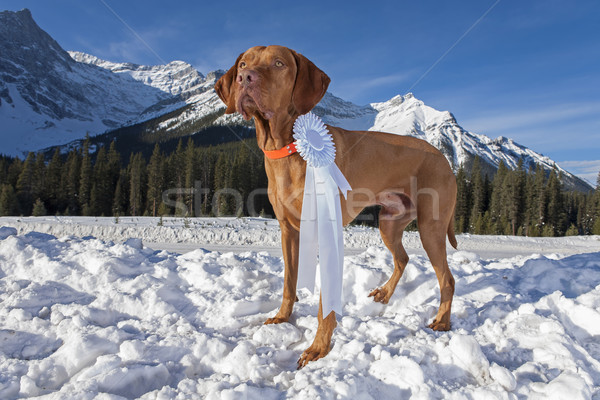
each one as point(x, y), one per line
point(176, 77)
point(125, 94)
point(79, 93)
point(90, 309)
point(25, 130)
point(407, 115)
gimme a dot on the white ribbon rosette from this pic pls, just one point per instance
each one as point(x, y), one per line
point(321, 219)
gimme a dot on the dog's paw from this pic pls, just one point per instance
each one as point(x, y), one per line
point(380, 295)
point(439, 325)
point(276, 320)
point(313, 353)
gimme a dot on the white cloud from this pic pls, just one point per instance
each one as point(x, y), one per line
point(521, 119)
point(351, 88)
point(587, 169)
point(556, 128)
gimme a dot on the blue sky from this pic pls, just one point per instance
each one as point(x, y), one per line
point(529, 70)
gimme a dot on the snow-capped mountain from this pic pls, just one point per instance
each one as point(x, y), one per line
point(406, 115)
point(177, 78)
point(50, 97)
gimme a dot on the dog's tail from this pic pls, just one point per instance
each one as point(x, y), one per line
point(451, 236)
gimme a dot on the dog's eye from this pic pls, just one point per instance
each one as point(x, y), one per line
point(242, 65)
point(278, 63)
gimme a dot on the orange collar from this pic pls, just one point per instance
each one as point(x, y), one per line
point(282, 152)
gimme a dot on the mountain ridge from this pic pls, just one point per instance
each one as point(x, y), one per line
point(411, 116)
point(50, 97)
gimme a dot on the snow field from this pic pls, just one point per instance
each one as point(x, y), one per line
point(242, 234)
point(86, 318)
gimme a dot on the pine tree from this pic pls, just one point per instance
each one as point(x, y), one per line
point(53, 183)
point(207, 160)
point(25, 185)
point(572, 204)
point(572, 231)
point(121, 196)
point(536, 202)
point(242, 177)
point(595, 208)
point(223, 202)
point(114, 165)
point(95, 201)
point(177, 178)
point(585, 220)
point(528, 193)
point(39, 177)
point(8, 200)
point(189, 175)
point(462, 201)
point(39, 209)
point(478, 198)
point(14, 170)
point(156, 180)
point(555, 216)
point(4, 163)
point(514, 188)
point(136, 184)
point(70, 182)
point(85, 178)
point(596, 227)
point(498, 217)
point(101, 195)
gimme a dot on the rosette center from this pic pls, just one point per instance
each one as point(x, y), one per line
point(314, 139)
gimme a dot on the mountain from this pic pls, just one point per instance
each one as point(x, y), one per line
point(406, 115)
point(50, 97)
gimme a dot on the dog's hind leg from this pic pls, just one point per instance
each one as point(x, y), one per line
point(433, 237)
point(391, 229)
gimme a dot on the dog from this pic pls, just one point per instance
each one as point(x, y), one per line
point(406, 176)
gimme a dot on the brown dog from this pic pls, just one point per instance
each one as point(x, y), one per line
point(406, 176)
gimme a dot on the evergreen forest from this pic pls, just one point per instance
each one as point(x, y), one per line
point(229, 180)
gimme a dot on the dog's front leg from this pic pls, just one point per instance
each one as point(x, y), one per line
point(320, 346)
point(290, 244)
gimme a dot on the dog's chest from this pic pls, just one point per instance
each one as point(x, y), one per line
point(286, 187)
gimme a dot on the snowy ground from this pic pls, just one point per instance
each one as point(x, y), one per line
point(259, 234)
point(86, 312)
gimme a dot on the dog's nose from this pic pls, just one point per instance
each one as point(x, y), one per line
point(247, 77)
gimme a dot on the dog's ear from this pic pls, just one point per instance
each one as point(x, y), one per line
point(225, 87)
point(311, 84)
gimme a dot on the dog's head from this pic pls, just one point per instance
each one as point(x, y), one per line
point(269, 81)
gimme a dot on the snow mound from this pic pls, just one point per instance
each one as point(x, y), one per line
point(6, 231)
point(83, 316)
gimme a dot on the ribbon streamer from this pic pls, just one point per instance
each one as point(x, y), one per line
point(321, 235)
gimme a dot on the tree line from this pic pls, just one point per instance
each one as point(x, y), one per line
point(229, 179)
point(190, 181)
point(520, 202)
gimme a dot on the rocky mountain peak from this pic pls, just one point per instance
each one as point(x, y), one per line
point(24, 41)
point(49, 97)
